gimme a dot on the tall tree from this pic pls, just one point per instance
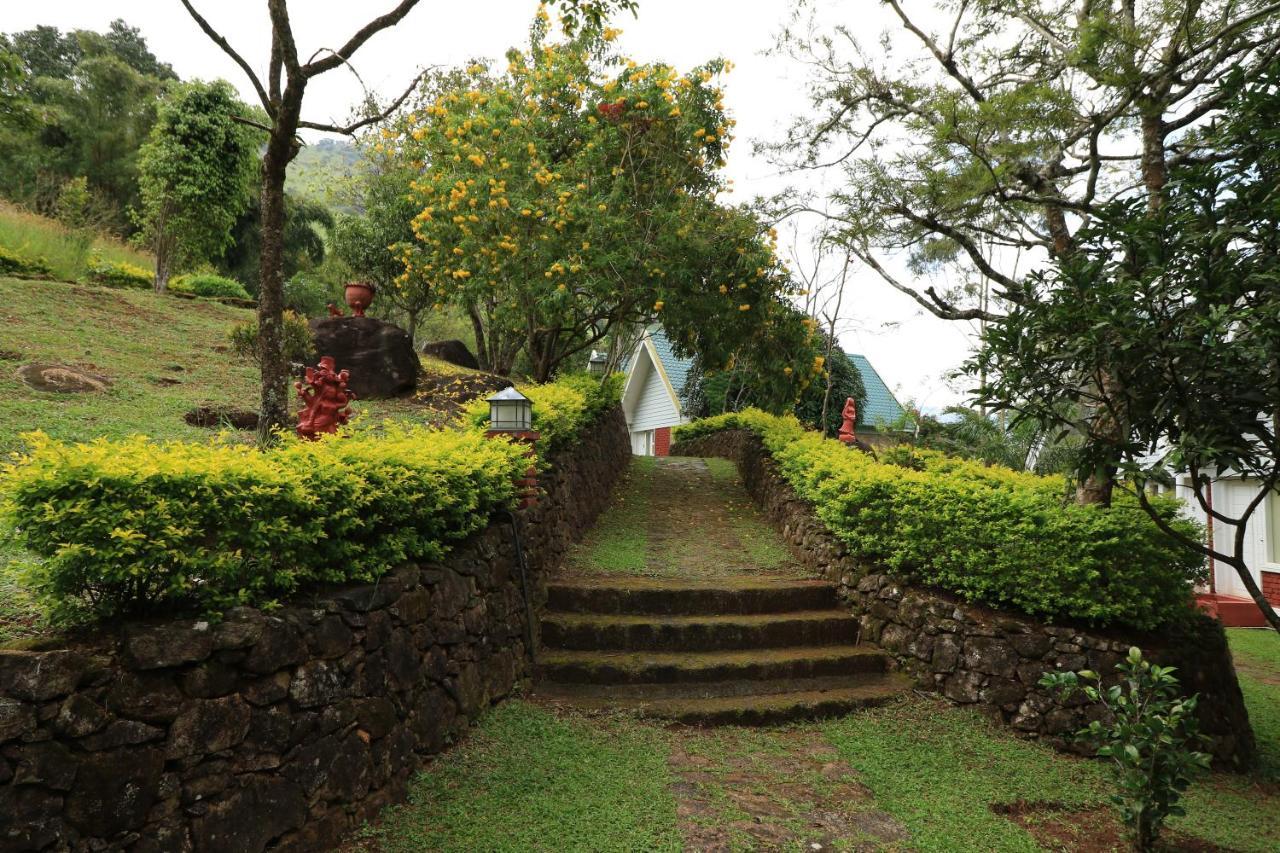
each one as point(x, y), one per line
point(196, 173)
point(1004, 127)
point(574, 195)
point(282, 97)
point(1181, 307)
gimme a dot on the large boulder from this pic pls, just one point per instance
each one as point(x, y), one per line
point(452, 351)
point(379, 355)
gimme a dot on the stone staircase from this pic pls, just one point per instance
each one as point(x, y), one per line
point(737, 650)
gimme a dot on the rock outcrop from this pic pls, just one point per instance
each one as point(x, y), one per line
point(378, 354)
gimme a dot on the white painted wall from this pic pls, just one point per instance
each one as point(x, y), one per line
point(1230, 496)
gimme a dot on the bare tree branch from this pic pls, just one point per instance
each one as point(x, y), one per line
point(930, 301)
point(230, 51)
point(353, 44)
point(349, 129)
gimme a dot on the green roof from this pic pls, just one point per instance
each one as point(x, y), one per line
point(881, 408)
point(677, 369)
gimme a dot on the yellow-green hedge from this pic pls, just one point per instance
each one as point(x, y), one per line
point(127, 527)
point(1000, 537)
point(561, 409)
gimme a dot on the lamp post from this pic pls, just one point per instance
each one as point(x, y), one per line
point(597, 363)
point(511, 414)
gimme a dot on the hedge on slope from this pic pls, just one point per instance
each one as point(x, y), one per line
point(994, 536)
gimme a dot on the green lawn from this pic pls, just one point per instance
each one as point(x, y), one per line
point(163, 355)
point(529, 777)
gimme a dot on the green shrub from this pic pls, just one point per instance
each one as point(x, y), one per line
point(1150, 738)
point(307, 295)
point(214, 287)
point(1000, 537)
point(181, 284)
point(560, 409)
point(18, 264)
point(118, 274)
point(299, 345)
point(140, 526)
point(137, 526)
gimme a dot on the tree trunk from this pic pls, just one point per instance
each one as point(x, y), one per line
point(482, 350)
point(164, 256)
point(281, 148)
point(1155, 171)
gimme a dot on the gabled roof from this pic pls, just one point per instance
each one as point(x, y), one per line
point(880, 407)
point(676, 368)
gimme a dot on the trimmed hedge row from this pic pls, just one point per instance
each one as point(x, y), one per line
point(998, 537)
point(137, 526)
point(560, 409)
point(21, 265)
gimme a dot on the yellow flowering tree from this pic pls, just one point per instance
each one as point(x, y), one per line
point(573, 194)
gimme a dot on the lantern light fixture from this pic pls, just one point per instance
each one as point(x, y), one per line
point(597, 363)
point(510, 411)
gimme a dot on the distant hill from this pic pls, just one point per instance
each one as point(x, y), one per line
point(323, 171)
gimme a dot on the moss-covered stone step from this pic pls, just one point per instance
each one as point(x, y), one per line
point(729, 703)
point(675, 598)
point(597, 632)
point(618, 667)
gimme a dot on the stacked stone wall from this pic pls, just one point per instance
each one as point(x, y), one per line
point(281, 730)
point(985, 658)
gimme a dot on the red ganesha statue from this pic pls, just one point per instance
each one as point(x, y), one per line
point(324, 399)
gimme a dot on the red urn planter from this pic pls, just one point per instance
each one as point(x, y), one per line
point(359, 295)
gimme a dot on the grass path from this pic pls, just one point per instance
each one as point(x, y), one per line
point(916, 775)
point(686, 518)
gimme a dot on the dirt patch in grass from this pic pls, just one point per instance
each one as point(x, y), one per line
point(1055, 826)
point(747, 789)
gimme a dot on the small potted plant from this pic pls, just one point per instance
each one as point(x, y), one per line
point(359, 295)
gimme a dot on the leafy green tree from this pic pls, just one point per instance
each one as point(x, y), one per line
point(16, 108)
point(306, 224)
point(196, 173)
point(572, 195)
point(373, 243)
point(997, 130)
point(1181, 308)
point(282, 98)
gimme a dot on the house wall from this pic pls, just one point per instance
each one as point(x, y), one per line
point(654, 408)
point(1231, 496)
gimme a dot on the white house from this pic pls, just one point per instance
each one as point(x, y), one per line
point(656, 377)
point(651, 395)
point(1230, 495)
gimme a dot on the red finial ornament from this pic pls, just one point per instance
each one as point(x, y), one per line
point(324, 400)
point(850, 413)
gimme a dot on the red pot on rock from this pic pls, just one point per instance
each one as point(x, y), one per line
point(359, 295)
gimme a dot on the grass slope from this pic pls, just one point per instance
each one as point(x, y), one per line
point(161, 353)
point(66, 253)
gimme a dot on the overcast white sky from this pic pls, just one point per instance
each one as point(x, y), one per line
point(911, 349)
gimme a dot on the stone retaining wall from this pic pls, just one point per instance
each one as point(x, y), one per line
point(280, 730)
point(986, 658)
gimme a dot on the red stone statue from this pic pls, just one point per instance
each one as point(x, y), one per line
point(324, 400)
point(334, 310)
point(850, 413)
